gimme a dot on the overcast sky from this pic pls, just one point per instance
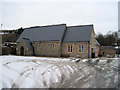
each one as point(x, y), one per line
point(103, 14)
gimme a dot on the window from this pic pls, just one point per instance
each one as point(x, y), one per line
point(52, 46)
point(80, 48)
point(70, 48)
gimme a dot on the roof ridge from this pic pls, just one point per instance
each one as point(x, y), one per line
point(45, 26)
point(80, 25)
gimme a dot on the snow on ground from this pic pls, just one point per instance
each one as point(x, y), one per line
point(24, 72)
point(0, 73)
point(17, 58)
point(45, 72)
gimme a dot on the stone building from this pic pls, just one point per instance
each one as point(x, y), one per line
point(108, 51)
point(58, 40)
point(97, 48)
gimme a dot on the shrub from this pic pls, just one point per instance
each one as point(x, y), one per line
point(109, 61)
point(65, 56)
point(96, 62)
point(89, 62)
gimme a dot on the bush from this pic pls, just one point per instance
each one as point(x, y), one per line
point(96, 62)
point(109, 61)
point(89, 62)
point(65, 56)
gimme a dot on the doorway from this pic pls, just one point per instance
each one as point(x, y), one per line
point(22, 51)
point(92, 53)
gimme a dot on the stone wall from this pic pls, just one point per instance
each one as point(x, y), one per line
point(108, 53)
point(26, 50)
point(92, 44)
point(97, 52)
point(75, 49)
point(47, 48)
point(57, 49)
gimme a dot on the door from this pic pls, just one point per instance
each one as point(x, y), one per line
point(22, 51)
point(92, 53)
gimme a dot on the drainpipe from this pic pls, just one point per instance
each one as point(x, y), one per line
point(88, 49)
point(60, 48)
point(33, 52)
point(61, 41)
point(33, 48)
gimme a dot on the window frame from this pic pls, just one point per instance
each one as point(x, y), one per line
point(80, 48)
point(69, 48)
point(52, 46)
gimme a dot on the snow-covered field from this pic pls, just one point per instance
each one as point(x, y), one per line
point(47, 72)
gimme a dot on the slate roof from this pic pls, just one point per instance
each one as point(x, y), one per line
point(107, 48)
point(56, 32)
point(28, 44)
point(44, 33)
point(96, 42)
point(78, 33)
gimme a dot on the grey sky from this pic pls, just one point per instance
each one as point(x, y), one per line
point(104, 14)
point(119, 15)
